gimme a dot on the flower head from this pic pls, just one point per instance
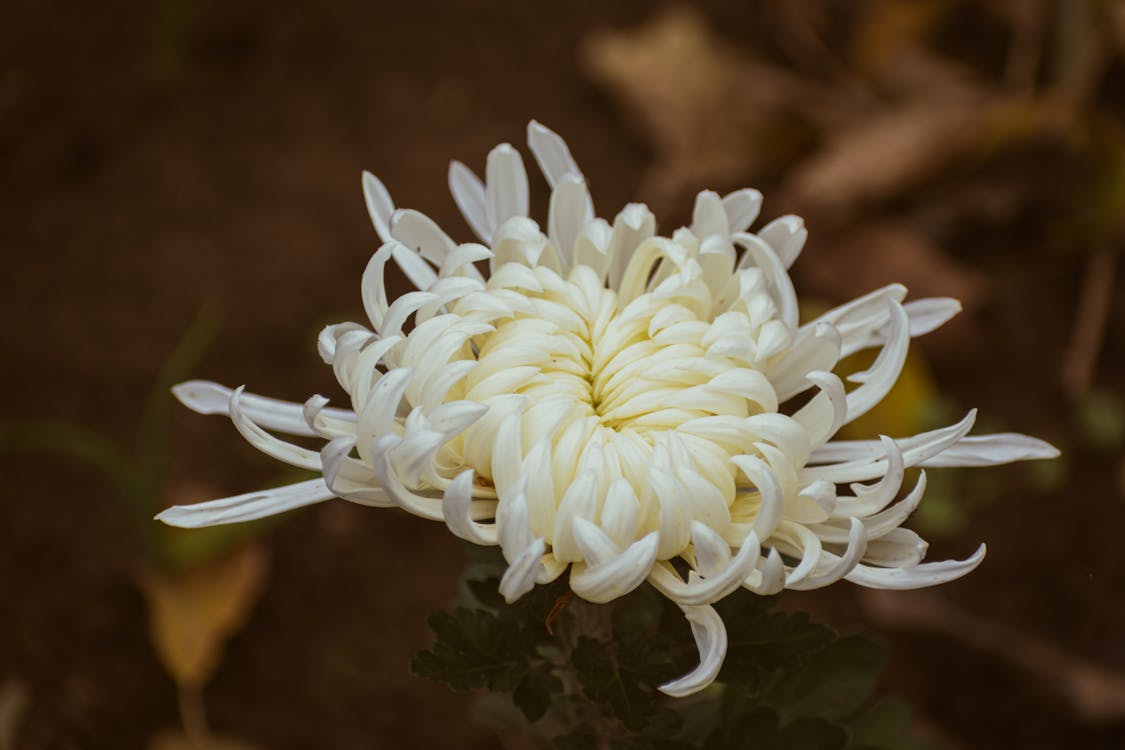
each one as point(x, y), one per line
point(606, 400)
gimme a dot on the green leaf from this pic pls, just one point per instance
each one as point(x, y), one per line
point(605, 681)
point(93, 449)
point(158, 407)
point(533, 694)
point(474, 649)
point(833, 682)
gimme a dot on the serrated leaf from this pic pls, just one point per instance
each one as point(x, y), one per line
point(604, 680)
point(760, 642)
point(533, 694)
point(474, 648)
point(831, 683)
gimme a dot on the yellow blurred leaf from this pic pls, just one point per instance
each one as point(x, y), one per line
point(193, 612)
point(179, 741)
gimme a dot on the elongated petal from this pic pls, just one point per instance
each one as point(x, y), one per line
point(506, 186)
point(206, 397)
point(379, 205)
point(992, 450)
point(469, 195)
point(247, 507)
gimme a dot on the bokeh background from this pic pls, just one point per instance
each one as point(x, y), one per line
point(183, 176)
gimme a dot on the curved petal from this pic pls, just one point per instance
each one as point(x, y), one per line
point(919, 576)
point(711, 640)
point(605, 578)
point(521, 575)
point(456, 507)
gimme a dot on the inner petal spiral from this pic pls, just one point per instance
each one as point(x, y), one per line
point(610, 413)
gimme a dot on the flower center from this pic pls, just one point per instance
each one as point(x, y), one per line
point(584, 393)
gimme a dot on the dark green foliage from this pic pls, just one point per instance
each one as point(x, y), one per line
point(787, 683)
point(762, 729)
point(607, 680)
point(474, 649)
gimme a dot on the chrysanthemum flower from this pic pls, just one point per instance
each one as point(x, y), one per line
point(606, 400)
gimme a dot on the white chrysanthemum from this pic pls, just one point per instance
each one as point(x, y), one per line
point(608, 400)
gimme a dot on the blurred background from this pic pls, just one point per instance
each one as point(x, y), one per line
point(181, 198)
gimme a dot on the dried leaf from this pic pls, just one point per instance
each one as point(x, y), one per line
point(891, 151)
point(704, 106)
point(193, 612)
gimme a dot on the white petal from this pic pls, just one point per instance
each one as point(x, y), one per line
point(469, 195)
point(379, 205)
point(786, 235)
point(919, 576)
point(615, 577)
point(709, 217)
point(763, 256)
point(742, 207)
point(698, 590)
point(288, 452)
point(857, 547)
point(551, 153)
point(570, 208)
point(520, 577)
point(931, 313)
point(506, 185)
point(350, 479)
point(621, 512)
point(712, 553)
point(711, 640)
point(421, 234)
point(870, 462)
point(206, 397)
point(247, 507)
point(901, 548)
point(878, 380)
point(992, 450)
point(456, 506)
point(773, 500)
